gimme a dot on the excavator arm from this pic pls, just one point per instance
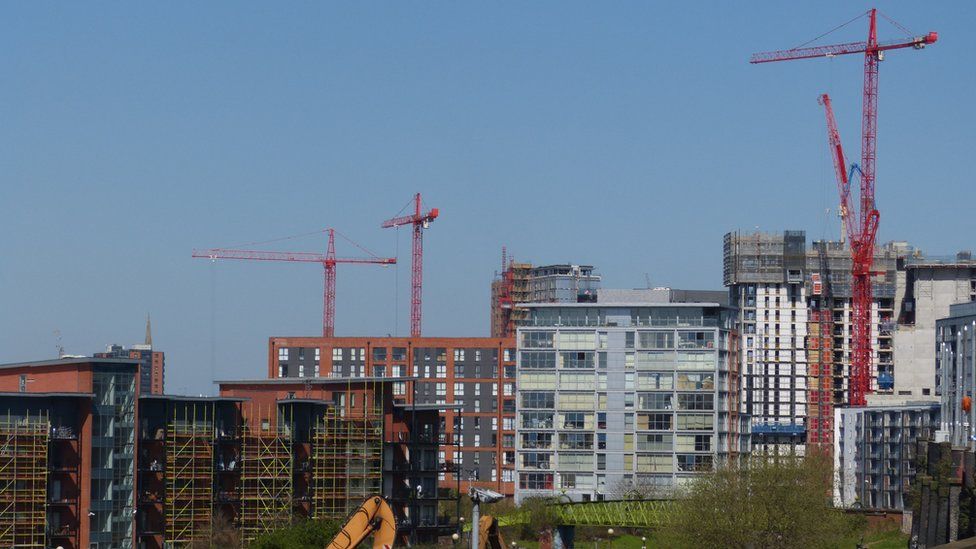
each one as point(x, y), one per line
point(374, 517)
point(491, 536)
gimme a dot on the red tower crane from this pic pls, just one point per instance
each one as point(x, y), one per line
point(328, 261)
point(862, 236)
point(420, 221)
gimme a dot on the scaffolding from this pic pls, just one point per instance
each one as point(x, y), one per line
point(189, 473)
point(347, 460)
point(266, 476)
point(23, 480)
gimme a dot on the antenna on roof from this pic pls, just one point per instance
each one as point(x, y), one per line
point(60, 347)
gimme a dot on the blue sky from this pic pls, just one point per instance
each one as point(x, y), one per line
point(630, 136)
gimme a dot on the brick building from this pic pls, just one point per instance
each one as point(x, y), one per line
point(476, 375)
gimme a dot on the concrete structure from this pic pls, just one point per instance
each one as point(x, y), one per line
point(874, 449)
point(620, 396)
point(780, 287)
point(955, 362)
point(931, 286)
point(478, 374)
point(521, 283)
point(87, 407)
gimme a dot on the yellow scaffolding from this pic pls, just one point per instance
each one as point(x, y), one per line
point(347, 458)
point(266, 477)
point(23, 480)
point(189, 473)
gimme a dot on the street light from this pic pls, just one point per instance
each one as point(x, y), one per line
point(455, 537)
point(610, 537)
point(643, 542)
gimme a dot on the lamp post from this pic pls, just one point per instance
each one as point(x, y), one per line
point(610, 536)
point(643, 542)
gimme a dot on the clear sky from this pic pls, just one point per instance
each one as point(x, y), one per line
point(630, 136)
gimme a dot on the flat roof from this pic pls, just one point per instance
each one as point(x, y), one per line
point(48, 395)
point(193, 398)
point(621, 305)
point(315, 380)
point(305, 401)
point(63, 361)
point(427, 406)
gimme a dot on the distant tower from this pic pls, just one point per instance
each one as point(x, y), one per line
point(148, 331)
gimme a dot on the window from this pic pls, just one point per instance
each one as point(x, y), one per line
point(694, 462)
point(537, 340)
point(573, 382)
point(693, 382)
point(379, 354)
point(655, 360)
point(654, 381)
point(509, 389)
point(575, 441)
point(510, 353)
point(583, 341)
point(477, 389)
point(535, 460)
point(508, 424)
point(575, 462)
point(575, 401)
point(695, 422)
point(494, 389)
point(696, 360)
point(601, 462)
point(654, 463)
point(629, 340)
point(629, 381)
point(577, 359)
point(601, 441)
point(601, 420)
point(301, 370)
point(336, 353)
point(655, 422)
point(458, 389)
point(458, 354)
point(536, 440)
point(283, 353)
point(696, 340)
point(536, 420)
point(657, 442)
point(378, 371)
point(696, 401)
point(535, 360)
point(508, 475)
point(477, 355)
point(441, 389)
point(535, 481)
point(442, 370)
point(510, 372)
point(577, 420)
point(654, 401)
point(317, 354)
point(657, 340)
point(316, 369)
point(282, 370)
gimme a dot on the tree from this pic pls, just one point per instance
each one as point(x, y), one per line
point(770, 503)
point(304, 534)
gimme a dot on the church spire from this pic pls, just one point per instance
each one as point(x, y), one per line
point(148, 330)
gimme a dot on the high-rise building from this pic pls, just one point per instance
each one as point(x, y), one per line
point(794, 313)
point(638, 391)
point(931, 285)
point(955, 366)
point(472, 380)
point(521, 283)
point(152, 370)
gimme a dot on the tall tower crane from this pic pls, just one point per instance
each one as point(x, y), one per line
point(861, 236)
point(328, 260)
point(420, 221)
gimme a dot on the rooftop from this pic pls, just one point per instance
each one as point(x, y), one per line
point(67, 361)
point(314, 380)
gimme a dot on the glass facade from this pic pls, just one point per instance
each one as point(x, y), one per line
point(617, 399)
point(113, 439)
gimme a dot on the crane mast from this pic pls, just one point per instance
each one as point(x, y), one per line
point(420, 221)
point(861, 237)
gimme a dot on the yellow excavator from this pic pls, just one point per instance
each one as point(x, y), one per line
point(374, 517)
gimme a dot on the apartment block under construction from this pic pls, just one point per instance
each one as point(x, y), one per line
point(86, 462)
point(520, 283)
point(794, 307)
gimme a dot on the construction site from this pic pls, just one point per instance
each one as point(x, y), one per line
point(606, 404)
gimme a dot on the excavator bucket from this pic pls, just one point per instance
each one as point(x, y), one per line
point(490, 537)
point(374, 517)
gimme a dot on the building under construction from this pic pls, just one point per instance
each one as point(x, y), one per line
point(795, 319)
point(78, 471)
point(519, 283)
